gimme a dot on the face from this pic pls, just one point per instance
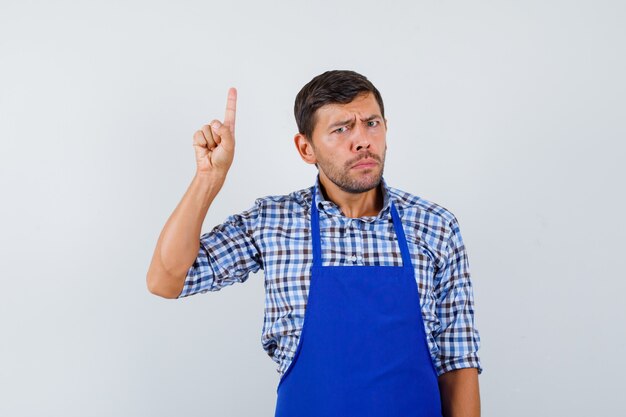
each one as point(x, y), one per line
point(349, 144)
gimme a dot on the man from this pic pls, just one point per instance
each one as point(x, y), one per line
point(369, 304)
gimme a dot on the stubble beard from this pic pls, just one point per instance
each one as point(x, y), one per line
point(340, 176)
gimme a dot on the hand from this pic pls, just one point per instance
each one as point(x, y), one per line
point(215, 143)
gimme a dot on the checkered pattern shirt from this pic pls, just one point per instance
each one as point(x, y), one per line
point(274, 235)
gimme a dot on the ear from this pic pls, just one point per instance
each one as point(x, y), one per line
point(305, 149)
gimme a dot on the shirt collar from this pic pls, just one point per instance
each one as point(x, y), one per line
point(331, 208)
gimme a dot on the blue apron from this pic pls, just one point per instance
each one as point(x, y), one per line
point(362, 351)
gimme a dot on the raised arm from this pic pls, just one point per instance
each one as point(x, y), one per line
point(179, 241)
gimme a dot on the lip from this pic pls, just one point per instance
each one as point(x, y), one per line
point(365, 163)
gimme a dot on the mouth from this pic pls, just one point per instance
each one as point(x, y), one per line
point(366, 163)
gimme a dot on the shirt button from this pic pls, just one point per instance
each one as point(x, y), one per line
point(353, 258)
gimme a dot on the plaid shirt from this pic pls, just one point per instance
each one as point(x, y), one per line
point(274, 235)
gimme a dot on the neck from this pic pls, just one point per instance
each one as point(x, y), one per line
point(368, 203)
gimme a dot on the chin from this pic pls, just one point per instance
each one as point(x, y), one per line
point(362, 185)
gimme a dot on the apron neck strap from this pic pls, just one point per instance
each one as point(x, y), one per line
point(315, 234)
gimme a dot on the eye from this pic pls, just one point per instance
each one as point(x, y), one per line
point(373, 123)
point(339, 130)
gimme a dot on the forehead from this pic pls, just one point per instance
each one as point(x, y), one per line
point(363, 105)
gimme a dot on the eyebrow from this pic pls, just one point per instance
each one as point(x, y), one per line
point(343, 122)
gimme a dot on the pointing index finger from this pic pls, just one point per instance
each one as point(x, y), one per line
point(231, 109)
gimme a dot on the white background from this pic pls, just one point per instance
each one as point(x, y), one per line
point(508, 113)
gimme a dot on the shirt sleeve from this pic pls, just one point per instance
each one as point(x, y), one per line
point(458, 339)
point(227, 254)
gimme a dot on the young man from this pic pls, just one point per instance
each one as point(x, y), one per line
point(369, 303)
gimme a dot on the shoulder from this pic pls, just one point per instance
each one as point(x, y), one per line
point(429, 220)
point(420, 208)
point(293, 204)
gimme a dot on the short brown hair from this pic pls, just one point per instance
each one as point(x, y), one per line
point(336, 86)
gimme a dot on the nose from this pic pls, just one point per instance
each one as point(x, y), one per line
point(362, 146)
point(361, 140)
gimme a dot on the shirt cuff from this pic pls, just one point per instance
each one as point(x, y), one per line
point(193, 283)
point(468, 361)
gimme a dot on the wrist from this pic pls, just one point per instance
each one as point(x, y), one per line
point(206, 186)
point(210, 178)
